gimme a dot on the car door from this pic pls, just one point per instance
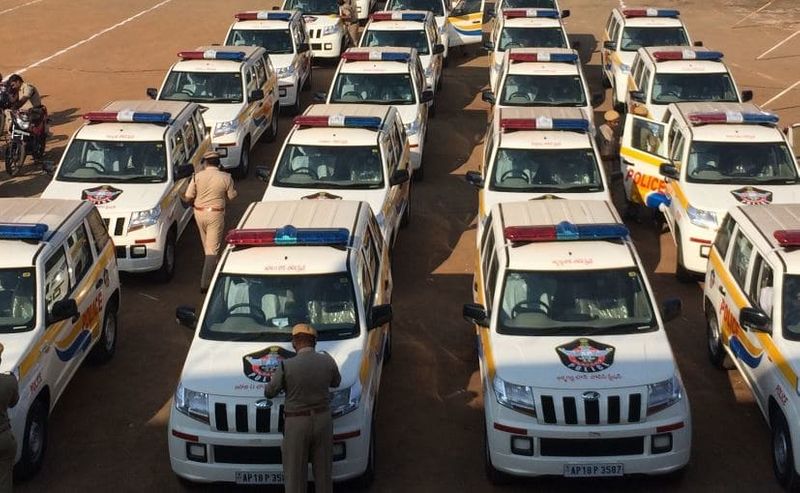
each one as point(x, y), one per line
point(466, 22)
point(57, 287)
point(677, 202)
point(793, 134)
point(642, 151)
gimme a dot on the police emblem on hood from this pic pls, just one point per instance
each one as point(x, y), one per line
point(101, 195)
point(261, 365)
point(321, 195)
point(752, 196)
point(585, 355)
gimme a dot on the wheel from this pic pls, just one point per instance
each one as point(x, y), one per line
point(167, 270)
point(272, 131)
point(782, 454)
point(34, 442)
point(497, 478)
point(104, 349)
point(716, 353)
point(243, 168)
point(15, 156)
point(681, 273)
point(365, 480)
point(38, 148)
point(295, 108)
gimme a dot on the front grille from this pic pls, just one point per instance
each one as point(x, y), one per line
point(566, 409)
point(316, 46)
point(244, 417)
point(315, 33)
point(606, 447)
point(227, 454)
point(119, 226)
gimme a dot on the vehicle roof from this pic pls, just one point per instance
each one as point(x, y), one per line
point(727, 131)
point(342, 136)
point(378, 66)
point(533, 22)
point(127, 131)
point(542, 68)
point(541, 139)
point(223, 66)
point(399, 25)
point(268, 25)
point(770, 218)
point(648, 21)
point(682, 66)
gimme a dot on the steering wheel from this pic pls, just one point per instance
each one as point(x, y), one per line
point(532, 306)
point(513, 173)
point(97, 165)
point(353, 94)
point(254, 310)
point(305, 170)
point(519, 94)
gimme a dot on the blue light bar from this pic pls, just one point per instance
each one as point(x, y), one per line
point(566, 230)
point(544, 123)
point(235, 56)
point(289, 235)
point(158, 117)
point(372, 122)
point(23, 231)
point(376, 56)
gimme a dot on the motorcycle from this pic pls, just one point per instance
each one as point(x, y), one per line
point(27, 135)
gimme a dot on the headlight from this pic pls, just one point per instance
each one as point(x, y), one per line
point(225, 128)
point(442, 30)
point(661, 395)
point(704, 219)
point(513, 396)
point(429, 71)
point(285, 71)
point(191, 403)
point(330, 29)
point(412, 128)
point(625, 69)
point(143, 219)
point(345, 401)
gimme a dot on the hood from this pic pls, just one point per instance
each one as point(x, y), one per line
point(408, 112)
point(241, 369)
point(627, 57)
point(281, 61)
point(318, 21)
point(112, 198)
point(492, 198)
point(720, 198)
point(221, 113)
point(375, 198)
point(575, 363)
point(16, 347)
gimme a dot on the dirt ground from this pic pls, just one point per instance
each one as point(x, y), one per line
point(108, 431)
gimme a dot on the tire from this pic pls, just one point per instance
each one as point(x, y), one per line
point(272, 132)
point(497, 478)
point(243, 169)
point(681, 273)
point(167, 270)
point(34, 442)
point(15, 157)
point(106, 345)
point(38, 149)
point(782, 453)
point(295, 108)
point(716, 353)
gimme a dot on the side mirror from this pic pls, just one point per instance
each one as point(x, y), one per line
point(320, 97)
point(597, 99)
point(184, 171)
point(62, 310)
point(488, 96)
point(698, 43)
point(747, 96)
point(152, 92)
point(263, 173)
point(637, 96)
point(426, 96)
point(186, 316)
point(438, 49)
point(755, 320)
point(670, 309)
point(380, 315)
point(565, 13)
point(610, 45)
point(669, 170)
point(303, 47)
point(398, 177)
point(474, 178)
point(476, 314)
point(275, 7)
point(489, 46)
point(256, 95)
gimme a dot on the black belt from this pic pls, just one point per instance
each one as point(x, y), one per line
point(307, 412)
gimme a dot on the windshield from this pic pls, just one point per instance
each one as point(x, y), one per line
point(316, 7)
point(311, 166)
point(581, 303)
point(203, 87)
point(17, 300)
point(531, 37)
point(374, 88)
point(118, 162)
point(679, 88)
point(404, 39)
point(435, 6)
point(275, 41)
point(543, 90)
point(741, 163)
point(634, 38)
point(529, 4)
point(545, 170)
point(264, 308)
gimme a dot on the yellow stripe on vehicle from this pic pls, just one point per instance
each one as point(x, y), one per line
point(641, 156)
point(483, 332)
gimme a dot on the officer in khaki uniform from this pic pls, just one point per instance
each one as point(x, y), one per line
point(9, 395)
point(210, 190)
point(308, 429)
point(349, 15)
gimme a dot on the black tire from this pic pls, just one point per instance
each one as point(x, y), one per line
point(15, 157)
point(167, 270)
point(38, 149)
point(681, 273)
point(106, 345)
point(272, 132)
point(716, 353)
point(497, 478)
point(243, 169)
point(782, 453)
point(295, 108)
point(34, 442)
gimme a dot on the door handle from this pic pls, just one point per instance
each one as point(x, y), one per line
point(722, 290)
point(45, 348)
point(476, 22)
point(101, 281)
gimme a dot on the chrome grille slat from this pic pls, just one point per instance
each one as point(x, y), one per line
point(570, 408)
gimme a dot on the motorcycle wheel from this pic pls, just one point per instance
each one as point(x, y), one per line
point(38, 148)
point(15, 156)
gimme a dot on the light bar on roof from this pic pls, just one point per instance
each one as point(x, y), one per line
point(128, 116)
point(544, 123)
point(376, 56)
point(288, 235)
point(543, 57)
point(759, 118)
point(371, 122)
point(263, 15)
point(787, 237)
point(398, 16)
point(650, 13)
point(662, 56)
point(235, 56)
point(23, 231)
point(566, 231)
point(531, 13)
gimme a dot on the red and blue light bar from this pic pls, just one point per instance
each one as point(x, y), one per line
point(566, 231)
point(263, 15)
point(376, 56)
point(663, 56)
point(398, 16)
point(650, 12)
point(543, 57)
point(233, 56)
point(23, 231)
point(544, 123)
point(531, 13)
point(128, 116)
point(787, 237)
point(371, 122)
point(288, 235)
point(760, 118)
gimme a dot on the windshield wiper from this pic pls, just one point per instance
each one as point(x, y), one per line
point(142, 179)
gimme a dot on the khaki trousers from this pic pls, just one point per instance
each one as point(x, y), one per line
point(308, 438)
point(8, 450)
point(211, 225)
point(352, 31)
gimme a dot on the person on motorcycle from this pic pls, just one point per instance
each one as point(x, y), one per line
point(24, 95)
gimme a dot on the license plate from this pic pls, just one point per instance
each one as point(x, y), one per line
point(259, 478)
point(593, 470)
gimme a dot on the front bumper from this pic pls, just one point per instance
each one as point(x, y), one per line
point(229, 154)
point(288, 90)
point(415, 145)
point(695, 245)
point(141, 250)
point(329, 46)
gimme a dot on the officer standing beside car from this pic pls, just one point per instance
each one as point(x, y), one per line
point(209, 192)
point(308, 429)
point(348, 14)
point(9, 395)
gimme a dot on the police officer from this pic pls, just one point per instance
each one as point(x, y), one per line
point(9, 395)
point(308, 429)
point(608, 142)
point(348, 14)
point(210, 190)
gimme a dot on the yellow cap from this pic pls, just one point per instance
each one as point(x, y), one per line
point(611, 116)
point(639, 110)
point(304, 329)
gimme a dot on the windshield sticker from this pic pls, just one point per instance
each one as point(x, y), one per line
point(322, 195)
point(261, 365)
point(101, 195)
point(573, 261)
point(585, 355)
point(752, 196)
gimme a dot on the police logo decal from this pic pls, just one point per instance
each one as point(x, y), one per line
point(101, 195)
point(261, 365)
point(752, 196)
point(585, 355)
point(321, 196)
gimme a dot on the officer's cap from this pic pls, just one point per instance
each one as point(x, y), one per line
point(211, 157)
point(639, 110)
point(611, 116)
point(304, 329)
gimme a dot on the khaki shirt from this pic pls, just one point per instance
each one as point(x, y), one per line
point(607, 141)
point(306, 379)
point(9, 395)
point(211, 188)
point(348, 13)
point(30, 92)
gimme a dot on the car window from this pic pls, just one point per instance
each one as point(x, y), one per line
point(99, 231)
point(190, 138)
point(260, 72)
point(761, 293)
point(56, 279)
point(647, 136)
point(79, 254)
point(740, 259)
point(724, 236)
